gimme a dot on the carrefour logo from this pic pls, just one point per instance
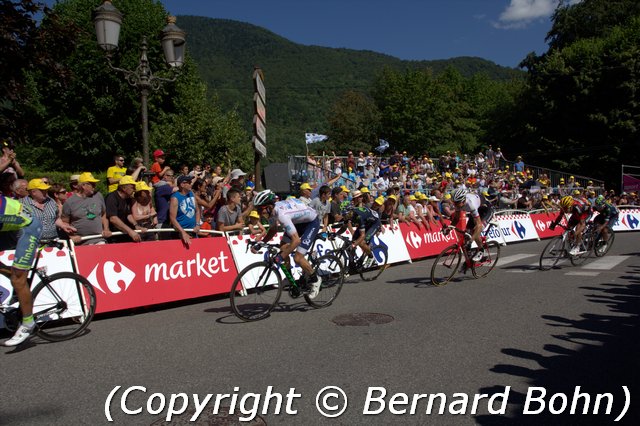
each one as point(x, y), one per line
point(630, 221)
point(414, 240)
point(518, 229)
point(111, 277)
point(541, 225)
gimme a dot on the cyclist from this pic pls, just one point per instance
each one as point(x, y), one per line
point(580, 212)
point(607, 217)
point(15, 216)
point(465, 201)
point(366, 220)
point(301, 225)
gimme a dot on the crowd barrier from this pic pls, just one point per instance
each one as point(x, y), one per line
point(130, 275)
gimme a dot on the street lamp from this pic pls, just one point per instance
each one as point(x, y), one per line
point(108, 19)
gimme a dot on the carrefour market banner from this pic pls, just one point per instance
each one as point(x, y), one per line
point(628, 220)
point(542, 223)
point(513, 228)
point(129, 275)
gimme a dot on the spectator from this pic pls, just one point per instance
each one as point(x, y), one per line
point(116, 172)
point(136, 169)
point(8, 161)
point(158, 167)
point(183, 212)
point(45, 209)
point(236, 180)
point(19, 188)
point(58, 194)
point(322, 205)
point(142, 210)
point(86, 212)
point(74, 185)
point(519, 165)
point(305, 193)
point(162, 196)
point(230, 215)
point(255, 227)
point(338, 195)
point(118, 204)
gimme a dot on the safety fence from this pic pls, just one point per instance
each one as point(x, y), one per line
point(130, 275)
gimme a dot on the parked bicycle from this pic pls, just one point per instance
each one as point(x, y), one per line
point(63, 303)
point(448, 261)
point(369, 268)
point(258, 287)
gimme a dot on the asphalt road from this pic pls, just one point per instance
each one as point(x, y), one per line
point(515, 332)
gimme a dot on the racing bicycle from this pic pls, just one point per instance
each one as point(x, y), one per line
point(369, 268)
point(63, 303)
point(448, 261)
point(559, 248)
point(258, 287)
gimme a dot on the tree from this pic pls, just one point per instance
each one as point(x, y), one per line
point(354, 123)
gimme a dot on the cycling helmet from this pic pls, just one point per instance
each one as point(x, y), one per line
point(263, 198)
point(566, 202)
point(459, 195)
point(600, 200)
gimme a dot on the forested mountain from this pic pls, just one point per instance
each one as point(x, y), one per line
point(302, 82)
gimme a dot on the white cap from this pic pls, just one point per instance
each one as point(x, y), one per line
point(236, 173)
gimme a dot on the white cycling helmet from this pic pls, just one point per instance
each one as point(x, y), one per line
point(264, 197)
point(458, 195)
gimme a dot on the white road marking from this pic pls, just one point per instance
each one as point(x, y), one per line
point(514, 258)
point(605, 263)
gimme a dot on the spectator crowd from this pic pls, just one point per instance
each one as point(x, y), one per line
point(200, 199)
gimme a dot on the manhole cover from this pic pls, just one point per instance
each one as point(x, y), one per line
point(362, 318)
point(207, 418)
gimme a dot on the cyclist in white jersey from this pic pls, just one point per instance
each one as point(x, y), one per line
point(464, 202)
point(301, 225)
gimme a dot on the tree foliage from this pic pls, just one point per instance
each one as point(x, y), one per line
point(96, 114)
point(354, 123)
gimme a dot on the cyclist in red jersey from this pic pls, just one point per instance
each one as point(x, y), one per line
point(580, 211)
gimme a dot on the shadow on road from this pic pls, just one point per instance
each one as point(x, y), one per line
point(598, 352)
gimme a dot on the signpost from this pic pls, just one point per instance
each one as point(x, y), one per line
point(259, 123)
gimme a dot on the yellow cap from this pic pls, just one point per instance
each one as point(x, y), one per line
point(379, 200)
point(393, 197)
point(345, 189)
point(305, 186)
point(86, 177)
point(447, 196)
point(126, 180)
point(141, 186)
point(412, 197)
point(365, 190)
point(254, 213)
point(37, 184)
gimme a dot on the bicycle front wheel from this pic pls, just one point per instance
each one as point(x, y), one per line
point(491, 254)
point(602, 247)
point(63, 306)
point(372, 267)
point(255, 291)
point(552, 253)
point(446, 265)
point(586, 245)
point(330, 269)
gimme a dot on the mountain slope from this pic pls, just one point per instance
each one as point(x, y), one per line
point(302, 82)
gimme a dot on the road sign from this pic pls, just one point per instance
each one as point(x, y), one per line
point(259, 107)
point(259, 146)
point(259, 129)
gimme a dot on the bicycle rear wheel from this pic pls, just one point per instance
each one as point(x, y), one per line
point(372, 267)
point(586, 245)
point(491, 254)
point(255, 291)
point(445, 265)
point(330, 269)
point(63, 306)
point(552, 253)
point(601, 247)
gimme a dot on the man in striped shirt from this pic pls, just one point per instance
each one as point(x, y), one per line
point(45, 209)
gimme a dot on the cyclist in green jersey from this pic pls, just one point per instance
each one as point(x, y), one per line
point(13, 217)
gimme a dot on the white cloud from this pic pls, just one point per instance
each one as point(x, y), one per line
point(520, 13)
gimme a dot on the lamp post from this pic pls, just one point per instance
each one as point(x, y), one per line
point(108, 19)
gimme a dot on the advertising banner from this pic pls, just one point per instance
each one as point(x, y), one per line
point(542, 221)
point(422, 242)
point(128, 275)
point(628, 220)
point(513, 228)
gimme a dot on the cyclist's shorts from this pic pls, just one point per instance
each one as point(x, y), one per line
point(485, 211)
point(27, 247)
point(307, 232)
point(601, 219)
point(370, 229)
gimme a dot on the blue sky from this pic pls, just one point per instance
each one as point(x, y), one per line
point(503, 31)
